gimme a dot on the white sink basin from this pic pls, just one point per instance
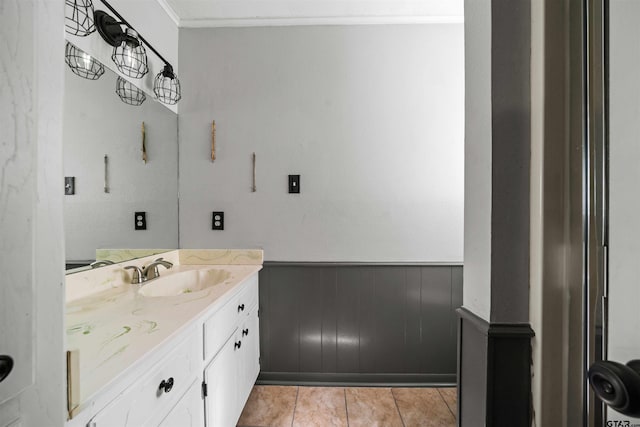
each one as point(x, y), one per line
point(185, 282)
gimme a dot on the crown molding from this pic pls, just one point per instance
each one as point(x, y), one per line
point(170, 12)
point(301, 21)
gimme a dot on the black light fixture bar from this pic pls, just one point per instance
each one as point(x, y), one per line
point(124, 21)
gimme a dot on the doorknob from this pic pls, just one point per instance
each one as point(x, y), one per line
point(617, 385)
point(6, 365)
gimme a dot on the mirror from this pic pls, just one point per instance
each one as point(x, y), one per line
point(103, 135)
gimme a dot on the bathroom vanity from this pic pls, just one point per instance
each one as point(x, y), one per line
point(180, 350)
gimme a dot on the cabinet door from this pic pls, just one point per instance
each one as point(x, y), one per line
point(249, 364)
point(221, 377)
point(189, 411)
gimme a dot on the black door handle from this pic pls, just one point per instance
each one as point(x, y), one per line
point(241, 307)
point(6, 365)
point(245, 332)
point(617, 385)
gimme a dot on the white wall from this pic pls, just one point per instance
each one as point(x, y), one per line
point(624, 175)
point(371, 117)
point(96, 123)
point(153, 23)
point(477, 181)
point(32, 248)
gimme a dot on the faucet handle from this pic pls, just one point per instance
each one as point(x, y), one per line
point(151, 271)
point(138, 277)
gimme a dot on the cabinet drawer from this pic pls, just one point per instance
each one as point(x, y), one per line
point(145, 399)
point(219, 327)
point(249, 295)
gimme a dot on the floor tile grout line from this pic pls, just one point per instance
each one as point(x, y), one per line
point(447, 404)
point(346, 407)
point(295, 406)
point(393, 396)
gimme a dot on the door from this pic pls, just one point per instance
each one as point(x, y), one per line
point(17, 189)
point(623, 329)
point(249, 355)
point(617, 302)
point(221, 379)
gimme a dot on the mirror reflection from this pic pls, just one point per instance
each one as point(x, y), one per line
point(121, 172)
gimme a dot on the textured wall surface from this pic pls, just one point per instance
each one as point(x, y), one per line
point(371, 117)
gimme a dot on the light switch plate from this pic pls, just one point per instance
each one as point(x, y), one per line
point(294, 184)
point(69, 185)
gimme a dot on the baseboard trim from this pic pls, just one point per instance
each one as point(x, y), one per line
point(494, 365)
point(347, 379)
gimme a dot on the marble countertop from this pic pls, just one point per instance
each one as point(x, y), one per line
point(113, 326)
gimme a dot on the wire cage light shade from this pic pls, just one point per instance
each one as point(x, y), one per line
point(166, 86)
point(128, 93)
point(82, 64)
point(130, 56)
point(79, 17)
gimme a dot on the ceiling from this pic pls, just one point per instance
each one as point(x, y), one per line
point(230, 13)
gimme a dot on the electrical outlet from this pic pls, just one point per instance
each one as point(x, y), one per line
point(217, 221)
point(69, 185)
point(140, 220)
point(294, 184)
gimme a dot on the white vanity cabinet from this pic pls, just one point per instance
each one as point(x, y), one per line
point(201, 377)
point(231, 368)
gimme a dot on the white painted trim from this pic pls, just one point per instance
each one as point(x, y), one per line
point(170, 12)
point(299, 21)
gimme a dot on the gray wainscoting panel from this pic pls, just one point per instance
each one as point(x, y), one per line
point(366, 323)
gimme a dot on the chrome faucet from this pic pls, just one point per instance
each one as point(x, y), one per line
point(151, 271)
point(138, 277)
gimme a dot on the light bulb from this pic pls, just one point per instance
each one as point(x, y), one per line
point(86, 59)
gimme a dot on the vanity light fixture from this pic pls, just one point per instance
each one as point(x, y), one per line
point(128, 93)
point(81, 63)
point(130, 56)
point(79, 17)
point(166, 86)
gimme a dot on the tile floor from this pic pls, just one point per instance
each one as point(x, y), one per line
point(279, 406)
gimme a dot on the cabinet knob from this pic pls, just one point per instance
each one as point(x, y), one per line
point(245, 332)
point(166, 386)
point(6, 365)
point(237, 345)
point(241, 307)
